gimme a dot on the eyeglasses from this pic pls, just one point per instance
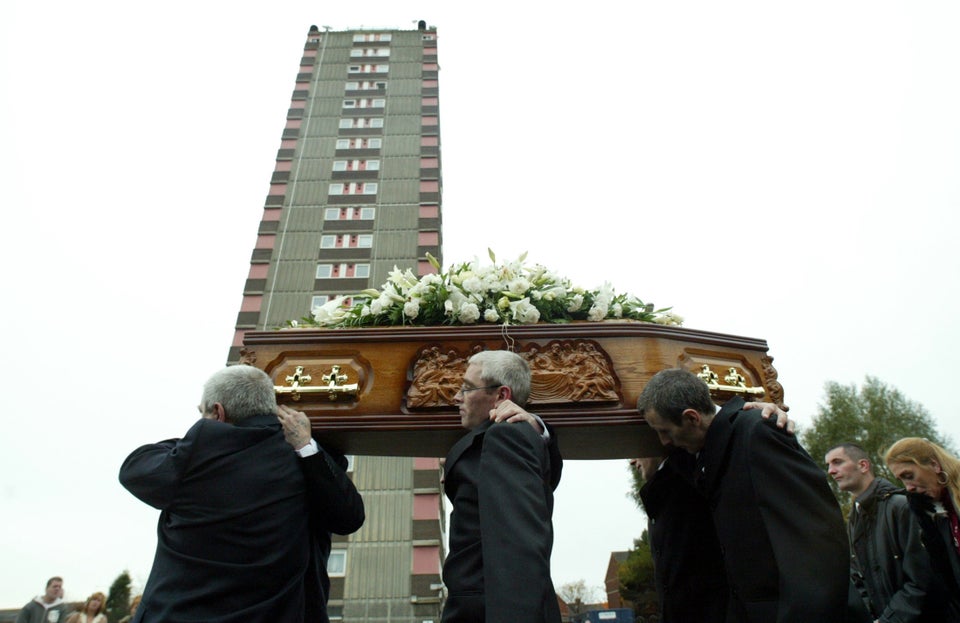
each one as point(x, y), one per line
point(465, 390)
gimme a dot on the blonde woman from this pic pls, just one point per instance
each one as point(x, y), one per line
point(92, 611)
point(931, 476)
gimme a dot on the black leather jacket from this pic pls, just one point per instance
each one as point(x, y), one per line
point(888, 557)
point(938, 541)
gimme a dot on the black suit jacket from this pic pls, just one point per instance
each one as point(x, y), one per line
point(500, 482)
point(688, 564)
point(781, 530)
point(244, 530)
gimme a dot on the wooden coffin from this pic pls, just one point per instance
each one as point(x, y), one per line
point(390, 390)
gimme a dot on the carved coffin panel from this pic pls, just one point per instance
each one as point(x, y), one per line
point(390, 390)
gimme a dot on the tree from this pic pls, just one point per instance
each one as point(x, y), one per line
point(118, 599)
point(636, 577)
point(873, 417)
point(577, 595)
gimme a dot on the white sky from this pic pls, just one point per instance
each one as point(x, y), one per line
point(779, 170)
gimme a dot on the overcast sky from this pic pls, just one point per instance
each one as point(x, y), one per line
point(787, 171)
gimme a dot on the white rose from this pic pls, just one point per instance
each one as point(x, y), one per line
point(411, 308)
point(491, 315)
point(469, 313)
point(576, 301)
point(523, 312)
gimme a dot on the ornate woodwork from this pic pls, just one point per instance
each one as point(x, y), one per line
point(390, 390)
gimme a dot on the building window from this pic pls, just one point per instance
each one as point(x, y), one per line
point(346, 241)
point(361, 122)
point(366, 85)
point(353, 188)
point(359, 143)
point(350, 214)
point(337, 563)
point(318, 301)
point(368, 69)
point(372, 36)
point(343, 271)
point(365, 103)
point(356, 165)
point(360, 52)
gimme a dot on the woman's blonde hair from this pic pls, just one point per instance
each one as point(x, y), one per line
point(924, 453)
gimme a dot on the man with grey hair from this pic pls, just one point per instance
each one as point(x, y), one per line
point(778, 525)
point(500, 480)
point(248, 501)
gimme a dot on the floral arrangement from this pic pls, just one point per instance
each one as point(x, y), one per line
point(468, 293)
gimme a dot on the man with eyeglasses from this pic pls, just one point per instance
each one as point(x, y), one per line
point(500, 480)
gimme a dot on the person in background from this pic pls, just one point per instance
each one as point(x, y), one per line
point(134, 604)
point(92, 610)
point(931, 476)
point(46, 608)
point(889, 565)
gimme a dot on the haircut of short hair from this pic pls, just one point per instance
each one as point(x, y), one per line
point(55, 578)
point(244, 391)
point(854, 452)
point(504, 367)
point(671, 392)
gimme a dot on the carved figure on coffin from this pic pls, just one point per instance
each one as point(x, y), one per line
point(436, 377)
point(566, 371)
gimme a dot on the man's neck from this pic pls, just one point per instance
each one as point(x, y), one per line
point(863, 487)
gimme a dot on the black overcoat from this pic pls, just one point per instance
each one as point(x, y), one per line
point(689, 574)
point(245, 524)
point(498, 478)
point(780, 528)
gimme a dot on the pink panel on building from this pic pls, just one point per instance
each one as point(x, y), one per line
point(431, 121)
point(293, 123)
point(297, 104)
point(278, 189)
point(430, 67)
point(302, 86)
point(283, 165)
point(251, 303)
point(429, 84)
point(429, 101)
point(238, 338)
point(266, 242)
point(426, 560)
point(425, 268)
point(288, 143)
point(258, 271)
point(429, 211)
point(428, 238)
point(429, 51)
point(426, 506)
point(429, 186)
point(426, 462)
point(309, 53)
point(429, 141)
point(306, 69)
point(429, 163)
point(271, 214)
